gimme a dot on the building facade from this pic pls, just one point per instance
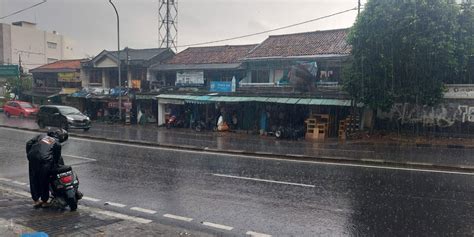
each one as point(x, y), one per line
point(23, 41)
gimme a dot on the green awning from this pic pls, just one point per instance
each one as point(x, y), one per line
point(205, 99)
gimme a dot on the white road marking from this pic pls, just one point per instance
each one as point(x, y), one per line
point(18, 182)
point(108, 213)
point(91, 199)
point(218, 226)
point(264, 180)
point(115, 204)
point(118, 215)
point(143, 210)
point(256, 234)
point(81, 157)
point(262, 158)
point(181, 218)
point(5, 179)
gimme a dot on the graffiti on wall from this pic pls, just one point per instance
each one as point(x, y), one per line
point(443, 115)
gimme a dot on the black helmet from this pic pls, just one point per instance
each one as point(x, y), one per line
point(58, 133)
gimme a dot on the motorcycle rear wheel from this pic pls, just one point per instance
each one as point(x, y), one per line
point(72, 203)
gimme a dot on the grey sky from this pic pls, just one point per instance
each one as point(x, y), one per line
point(91, 23)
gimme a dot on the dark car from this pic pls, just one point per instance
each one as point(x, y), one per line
point(63, 117)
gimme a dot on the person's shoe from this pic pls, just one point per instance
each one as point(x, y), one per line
point(37, 204)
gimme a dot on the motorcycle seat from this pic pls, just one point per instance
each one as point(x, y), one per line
point(62, 169)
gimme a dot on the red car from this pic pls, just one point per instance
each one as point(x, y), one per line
point(18, 108)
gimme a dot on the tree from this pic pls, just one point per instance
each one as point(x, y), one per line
point(17, 85)
point(465, 42)
point(403, 52)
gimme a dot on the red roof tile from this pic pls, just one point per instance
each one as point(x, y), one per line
point(211, 55)
point(304, 44)
point(73, 64)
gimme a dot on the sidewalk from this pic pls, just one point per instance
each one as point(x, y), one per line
point(17, 216)
point(413, 152)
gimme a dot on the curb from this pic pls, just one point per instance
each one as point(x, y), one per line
point(333, 159)
point(419, 145)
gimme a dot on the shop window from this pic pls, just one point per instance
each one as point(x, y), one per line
point(139, 74)
point(260, 76)
point(95, 77)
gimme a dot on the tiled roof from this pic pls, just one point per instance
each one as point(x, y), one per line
point(60, 65)
point(226, 54)
point(138, 54)
point(329, 42)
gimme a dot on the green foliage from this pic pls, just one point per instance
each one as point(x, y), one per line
point(18, 85)
point(465, 42)
point(403, 51)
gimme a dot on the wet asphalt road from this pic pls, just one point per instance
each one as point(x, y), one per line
point(316, 199)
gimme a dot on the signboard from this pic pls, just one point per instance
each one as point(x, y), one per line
point(221, 86)
point(136, 84)
point(9, 70)
point(69, 77)
point(461, 91)
point(190, 78)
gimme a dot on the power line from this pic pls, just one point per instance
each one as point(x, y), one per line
point(268, 31)
point(22, 10)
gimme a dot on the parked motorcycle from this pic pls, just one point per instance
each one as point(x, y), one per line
point(174, 122)
point(290, 132)
point(64, 185)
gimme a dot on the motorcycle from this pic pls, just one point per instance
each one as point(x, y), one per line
point(64, 185)
point(174, 122)
point(289, 132)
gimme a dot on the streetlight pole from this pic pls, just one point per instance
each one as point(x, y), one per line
point(118, 60)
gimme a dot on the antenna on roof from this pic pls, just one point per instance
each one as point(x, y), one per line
point(168, 24)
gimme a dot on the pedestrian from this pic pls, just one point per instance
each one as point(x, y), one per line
point(44, 155)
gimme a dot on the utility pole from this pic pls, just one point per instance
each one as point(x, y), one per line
point(118, 60)
point(358, 8)
point(168, 24)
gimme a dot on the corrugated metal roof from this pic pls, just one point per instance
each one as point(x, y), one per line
point(235, 99)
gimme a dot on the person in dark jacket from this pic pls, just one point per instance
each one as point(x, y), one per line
point(44, 154)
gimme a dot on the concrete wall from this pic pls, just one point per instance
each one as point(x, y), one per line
point(32, 44)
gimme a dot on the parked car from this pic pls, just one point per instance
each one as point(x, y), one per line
point(62, 117)
point(21, 109)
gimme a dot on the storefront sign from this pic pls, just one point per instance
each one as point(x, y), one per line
point(136, 84)
point(115, 104)
point(190, 78)
point(221, 86)
point(459, 92)
point(9, 70)
point(69, 77)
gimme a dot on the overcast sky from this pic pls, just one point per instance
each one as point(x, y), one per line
point(92, 23)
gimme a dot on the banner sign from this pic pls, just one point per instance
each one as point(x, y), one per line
point(221, 86)
point(459, 91)
point(190, 78)
point(69, 77)
point(9, 70)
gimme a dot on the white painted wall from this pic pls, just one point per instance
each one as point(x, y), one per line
point(32, 44)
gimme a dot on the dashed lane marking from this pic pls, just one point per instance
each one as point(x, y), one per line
point(81, 157)
point(181, 218)
point(265, 180)
point(143, 210)
point(118, 215)
point(91, 199)
point(5, 179)
point(256, 234)
point(115, 204)
point(218, 226)
point(103, 212)
point(18, 182)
